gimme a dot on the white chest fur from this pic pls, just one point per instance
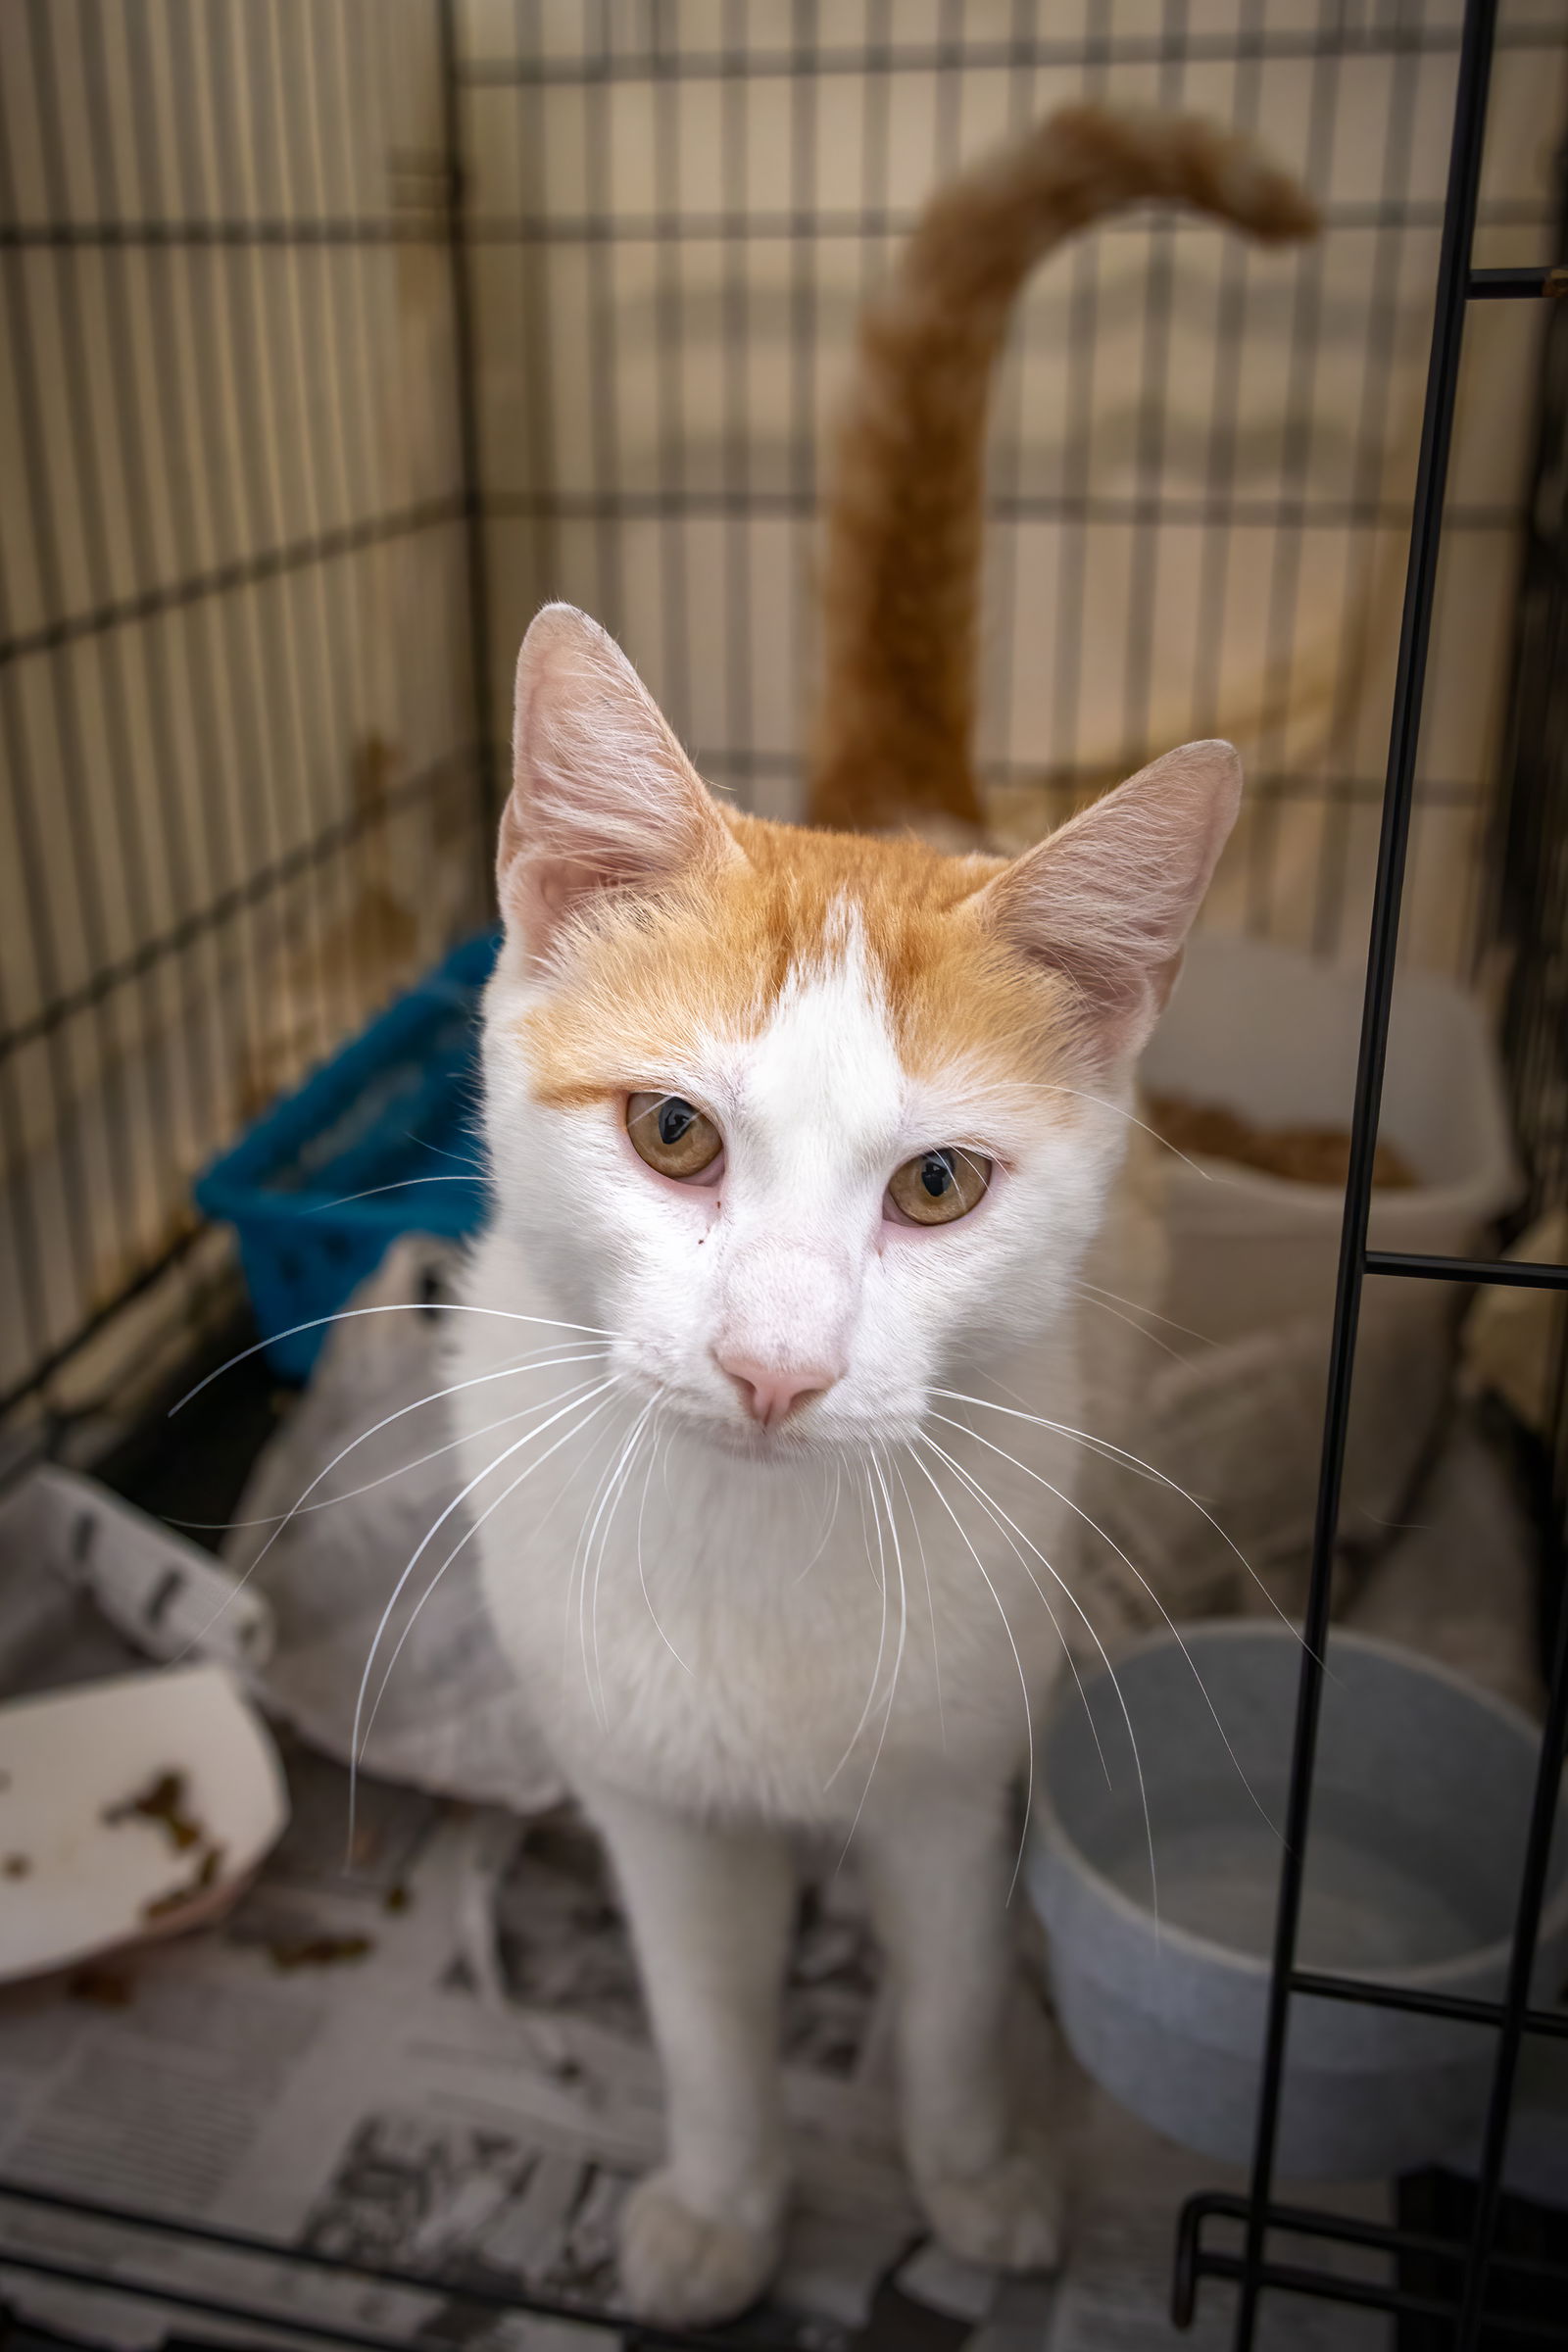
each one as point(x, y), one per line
point(754, 1638)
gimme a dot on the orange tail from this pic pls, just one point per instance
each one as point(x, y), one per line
point(900, 580)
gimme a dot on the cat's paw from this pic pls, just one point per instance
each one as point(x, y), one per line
point(681, 2269)
point(1009, 2218)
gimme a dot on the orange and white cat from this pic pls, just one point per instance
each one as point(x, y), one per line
point(804, 1138)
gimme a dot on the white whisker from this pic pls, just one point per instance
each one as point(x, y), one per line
point(865, 1532)
point(509, 1371)
point(993, 1510)
point(457, 1501)
point(345, 1199)
point(1143, 1792)
point(930, 1603)
point(1108, 1451)
point(660, 1440)
point(830, 1524)
point(1115, 1313)
point(439, 1151)
point(577, 1592)
point(574, 1605)
point(395, 1306)
point(543, 1361)
point(1144, 1795)
point(1121, 1111)
point(1170, 1622)
point(468, 1532)
point(1152, 1312)
point(622, 1479)
point(1023, 1679)
point(898, 1654)
point(881, 1643)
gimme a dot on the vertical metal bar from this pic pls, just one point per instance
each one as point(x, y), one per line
point(804, 34)
point(1006, 537)
point(1219, 488)
point(259, 368)
point(361, 97)
point(144, 1134)
point(338, 665)
point(1083, 319)
point(670, 380)
point(1279, 662)
point(542, 470)
point(136, 468)
point(1454, 269)
point(35, 848)
point(245, 623)
point(735, 309)
point(1154, 408)
point(1372, 436)
point(1529, 849)
point(604, 390)
point(950, 89)
point(232, 819)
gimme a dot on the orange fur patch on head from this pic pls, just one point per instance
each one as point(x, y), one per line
point(639, 981)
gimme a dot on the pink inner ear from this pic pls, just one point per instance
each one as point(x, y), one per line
point(1108, 900)
point(560, 882)
point(603, 796)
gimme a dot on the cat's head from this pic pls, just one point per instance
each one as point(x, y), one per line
point(809, 1121)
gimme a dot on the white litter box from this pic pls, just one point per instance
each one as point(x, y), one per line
point(1272, 1034)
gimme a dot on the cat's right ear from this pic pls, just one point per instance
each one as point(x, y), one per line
point(1106, 901)
point(603, 797)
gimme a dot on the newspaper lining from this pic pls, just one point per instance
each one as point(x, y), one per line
point(472, 2097)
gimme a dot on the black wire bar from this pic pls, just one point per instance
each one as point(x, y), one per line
point(1196, 2260)
point(308, 2259)
point(1254, 42)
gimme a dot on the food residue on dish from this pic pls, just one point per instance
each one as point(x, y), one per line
point(163, 1801)
point(205, 1876)
point(16, 1866)
point(1302, 1154)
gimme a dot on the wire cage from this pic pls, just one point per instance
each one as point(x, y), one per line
point(340, 334)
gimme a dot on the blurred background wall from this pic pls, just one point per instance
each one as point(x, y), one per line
point(339, 334)
point(1202, 458)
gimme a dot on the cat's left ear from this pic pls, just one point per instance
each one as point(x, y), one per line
point(1107, 899)
point(603, 797)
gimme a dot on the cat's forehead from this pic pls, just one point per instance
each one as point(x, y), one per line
point(836, 949)
point(828, 1046)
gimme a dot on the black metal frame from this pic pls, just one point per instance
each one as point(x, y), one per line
point(445, 215)
point(1513, 2016)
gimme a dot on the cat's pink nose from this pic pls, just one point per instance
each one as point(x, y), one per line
point(771, 1395)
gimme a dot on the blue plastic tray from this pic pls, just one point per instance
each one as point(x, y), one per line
point(395, 1109)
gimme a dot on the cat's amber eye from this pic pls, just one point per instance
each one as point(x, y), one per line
point(937, 1187)
point(671, 1134)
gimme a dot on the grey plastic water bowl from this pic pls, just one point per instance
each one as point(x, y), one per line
point(1421, 1801)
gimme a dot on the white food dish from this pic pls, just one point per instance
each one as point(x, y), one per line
point(74, 1881)
point(1273, 1033)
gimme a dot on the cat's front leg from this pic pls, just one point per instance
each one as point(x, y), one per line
point(711, 1911)
point(938, 1862)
